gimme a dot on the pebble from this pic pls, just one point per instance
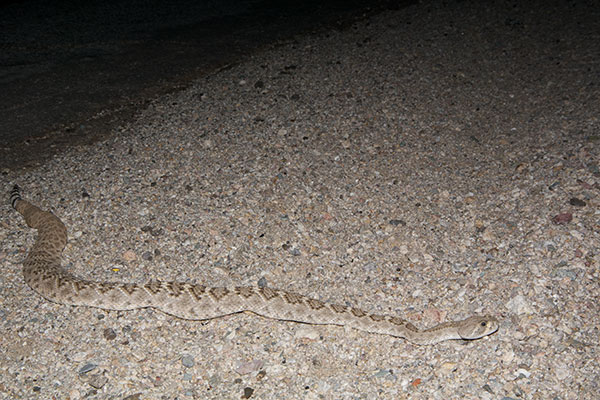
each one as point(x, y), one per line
point(488, 389)
point(262, 282)
point(576, 234)
point(129, 255)
point(508, 356)
point(522, 372)
point(447, 367)
point(248, 367)
point(187, 361)
point(87, 368)
point(396, 222)
point(519, 305)
point(574, 201)
point(109, 334)
point(97, 381)
point(307, 332)
point(136, 396)
point(248, 391)
point(383, 373)
point(563, 218)
point(562, 371)
point(79, 356)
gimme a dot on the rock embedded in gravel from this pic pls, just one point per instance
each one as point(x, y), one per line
point(87, 368)
point(109, 334)
point(187, 361)
point(574, 201)
point(519, 305)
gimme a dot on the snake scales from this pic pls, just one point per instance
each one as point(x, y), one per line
point(43, 272)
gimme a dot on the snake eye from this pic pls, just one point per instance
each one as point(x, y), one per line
point(484, 324)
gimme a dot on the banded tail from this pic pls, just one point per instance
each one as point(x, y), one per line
point(15, 195)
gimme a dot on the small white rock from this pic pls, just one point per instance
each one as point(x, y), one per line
point(307, 332)
point(245, 368)
point(562, 372)
point(447, 367)
point(507, 357)
point(519, 305)
point(74, 394)
point(413, 258)
point(79, 357)
point(576, 234)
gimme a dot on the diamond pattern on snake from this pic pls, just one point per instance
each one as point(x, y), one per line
point(44, 273)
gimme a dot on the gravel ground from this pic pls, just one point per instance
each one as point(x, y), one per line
point(434, 162)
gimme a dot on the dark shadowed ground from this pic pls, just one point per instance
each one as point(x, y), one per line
point(71, 72)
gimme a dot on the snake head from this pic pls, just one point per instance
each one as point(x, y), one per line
point(477, 327)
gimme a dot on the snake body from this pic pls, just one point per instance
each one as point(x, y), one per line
point(44, 273)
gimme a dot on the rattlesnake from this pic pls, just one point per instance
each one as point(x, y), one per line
point(43, 272)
